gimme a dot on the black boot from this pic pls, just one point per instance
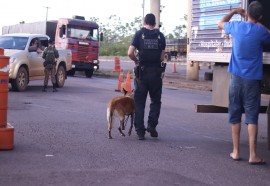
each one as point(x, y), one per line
point(54, 88)
point(44, 88)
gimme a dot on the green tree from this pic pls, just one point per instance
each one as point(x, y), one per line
point(181, 30)
point(118, 36)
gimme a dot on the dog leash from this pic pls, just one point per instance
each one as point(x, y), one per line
point(126, 120)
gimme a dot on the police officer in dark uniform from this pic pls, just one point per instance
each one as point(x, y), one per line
point(149, 72)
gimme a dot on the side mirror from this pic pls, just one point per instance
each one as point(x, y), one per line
point(101, 36)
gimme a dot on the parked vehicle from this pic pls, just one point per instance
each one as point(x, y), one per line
point(77, 34)
point(175, 48)
point(26, 63)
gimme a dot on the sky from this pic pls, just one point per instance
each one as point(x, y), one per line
point(15, 11)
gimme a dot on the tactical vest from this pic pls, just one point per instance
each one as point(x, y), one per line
point(150, 47)
point(50, 56)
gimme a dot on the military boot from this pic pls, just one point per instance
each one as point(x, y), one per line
point(54, 88)
point(44, 88)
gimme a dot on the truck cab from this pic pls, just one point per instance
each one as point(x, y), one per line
point(82, 38)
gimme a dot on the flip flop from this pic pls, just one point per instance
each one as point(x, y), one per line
point(234, 159)
point(261, 162)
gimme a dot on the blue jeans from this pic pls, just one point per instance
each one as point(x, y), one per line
point(244, 96)
point(149, 82)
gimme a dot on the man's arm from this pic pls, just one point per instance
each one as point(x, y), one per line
point(39, 51)
point(263, 26)
point(228, 17)
point(131, 54)
point(44, 53)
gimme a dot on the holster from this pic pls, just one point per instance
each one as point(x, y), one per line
point(163, 66)
point(138, 72)
point(45, 63)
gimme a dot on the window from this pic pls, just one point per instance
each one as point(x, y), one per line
point(11, 42)
point(82, 33)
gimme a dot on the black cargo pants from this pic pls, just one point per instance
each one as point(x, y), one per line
point(149, 82)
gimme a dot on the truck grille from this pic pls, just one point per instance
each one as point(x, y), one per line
point(83, 52)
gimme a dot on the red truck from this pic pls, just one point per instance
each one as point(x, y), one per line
point(80, 36)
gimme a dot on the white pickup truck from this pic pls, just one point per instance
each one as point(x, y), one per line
point(26, 64)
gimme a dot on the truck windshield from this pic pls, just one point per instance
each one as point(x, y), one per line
point(10, 42)
point(82, 33)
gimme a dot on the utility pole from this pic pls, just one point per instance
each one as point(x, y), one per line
point(47, 8)
point(143, 13)
point(155, 9)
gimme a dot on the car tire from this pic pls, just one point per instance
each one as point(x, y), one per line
point(22, 79)
point(60, 76)
point(208, 76)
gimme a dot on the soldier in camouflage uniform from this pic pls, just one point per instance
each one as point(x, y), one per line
point(50, 54)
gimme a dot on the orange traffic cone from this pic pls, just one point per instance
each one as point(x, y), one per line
point(117, 67)
point(127, 86)
point(174, 68)
point(120, 81)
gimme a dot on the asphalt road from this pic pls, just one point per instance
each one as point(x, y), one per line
point(61, 139)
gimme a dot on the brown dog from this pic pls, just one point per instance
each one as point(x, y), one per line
point(121, 106)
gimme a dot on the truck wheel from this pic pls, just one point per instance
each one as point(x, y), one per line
point(60, 76)
point(208, 76)
point(89, 73)
point(71, 72)
point(20, 83)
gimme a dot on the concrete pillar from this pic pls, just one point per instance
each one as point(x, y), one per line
point(155, 9)
point(192, 69)
point(268, 125)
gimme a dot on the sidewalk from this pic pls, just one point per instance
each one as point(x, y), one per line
point(173, 80)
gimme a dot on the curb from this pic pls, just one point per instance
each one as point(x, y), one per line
point(170, 80)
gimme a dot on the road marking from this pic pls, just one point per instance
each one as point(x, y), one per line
point(49, 155)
